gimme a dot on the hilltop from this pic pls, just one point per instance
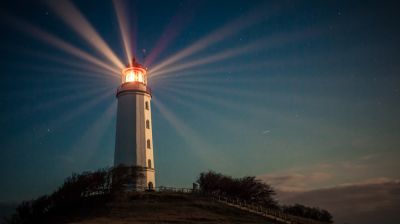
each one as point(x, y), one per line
point(106, 196)
point(163, 207)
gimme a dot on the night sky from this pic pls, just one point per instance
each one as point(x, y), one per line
point(302, 94)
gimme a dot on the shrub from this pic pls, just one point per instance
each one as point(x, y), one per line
point(308, 212)
point(246, 188)
point(77, 193)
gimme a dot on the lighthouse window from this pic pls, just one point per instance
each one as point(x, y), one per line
point(147, 105)
point(147, 124)
point(148, 144)
point(149, 163)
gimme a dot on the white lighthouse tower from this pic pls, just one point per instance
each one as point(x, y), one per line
point(134, 139)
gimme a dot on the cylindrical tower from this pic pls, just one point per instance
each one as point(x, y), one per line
point(134, 138)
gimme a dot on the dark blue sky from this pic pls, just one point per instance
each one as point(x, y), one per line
point(306, 87)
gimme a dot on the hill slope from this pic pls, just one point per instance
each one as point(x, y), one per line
point(167, 208)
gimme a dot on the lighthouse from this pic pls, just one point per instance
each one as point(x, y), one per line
point(134, 139)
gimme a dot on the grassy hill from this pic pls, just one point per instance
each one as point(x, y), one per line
point(102, 197)
point(160, 207)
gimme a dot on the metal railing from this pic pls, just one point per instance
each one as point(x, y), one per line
point(166, 189)
point(270, 213)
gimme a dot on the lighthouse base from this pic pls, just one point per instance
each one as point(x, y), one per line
point(133, 178)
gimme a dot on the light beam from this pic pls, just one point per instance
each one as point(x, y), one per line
point(75, 19)
point(251, 18)
point(200, 147)
point(262, 44)
point(123, 23)
point(84, 150)
point(53, 40)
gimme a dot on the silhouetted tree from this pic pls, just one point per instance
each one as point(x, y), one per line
point(253, 190)
point(78, 192)
point(246, 188)
point(308, 212)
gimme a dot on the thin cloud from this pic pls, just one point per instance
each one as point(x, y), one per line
point(368, 169)
point(375, 202)
point(295, 181)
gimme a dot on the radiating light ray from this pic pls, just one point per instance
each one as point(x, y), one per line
point(249, 109)
point(204, 79)
point(235, 127)
point(51, 39)
point(83, 94)
point(76, 112)
point(67, 116)
point(123, 23)
point(74, 18)
point(200, 147)
point(67, 62)
point(45, 105)
point(237, 106)
point(193, 74)
point(262, 44)
point(73, 63)
point(251, 18)
point(209, 99)
point(85, 148)
point(177, 23)
point(237, 84)
point(58, 89)
point(227, 71)
point(219, 120)
point(242, 130)
point(183, 97)
point(66, 73)
point(211, 59)
point(215, 90)
point(76, 64)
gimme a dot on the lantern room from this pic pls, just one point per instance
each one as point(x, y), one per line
point(134, 72)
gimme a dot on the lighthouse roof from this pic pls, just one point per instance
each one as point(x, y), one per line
point(134, 63)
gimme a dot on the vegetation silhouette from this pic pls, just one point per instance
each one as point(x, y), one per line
point(78, 194)
point(308, 212)
point(252, 190)
point(90, 192)
point(246, 188)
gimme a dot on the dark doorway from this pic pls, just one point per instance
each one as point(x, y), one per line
point(151, 187)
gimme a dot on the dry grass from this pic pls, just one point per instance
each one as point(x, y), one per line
point(167, 208)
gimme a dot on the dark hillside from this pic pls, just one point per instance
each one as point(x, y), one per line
point(6, 210)
point(161, 207)
point(106, 196)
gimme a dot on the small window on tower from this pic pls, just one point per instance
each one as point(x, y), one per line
point(149, 163)
point(147, 105)
point(148, 144)
point(147, 124)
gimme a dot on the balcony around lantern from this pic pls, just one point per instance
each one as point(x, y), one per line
point(134, 86)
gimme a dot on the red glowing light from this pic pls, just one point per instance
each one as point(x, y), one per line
point(134, 73)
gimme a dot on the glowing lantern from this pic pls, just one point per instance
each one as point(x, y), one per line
point(134, 73)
